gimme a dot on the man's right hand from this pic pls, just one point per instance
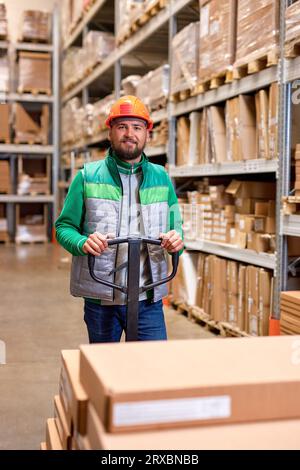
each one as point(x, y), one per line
point(95, 244)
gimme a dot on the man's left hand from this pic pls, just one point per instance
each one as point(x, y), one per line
point(171, 241)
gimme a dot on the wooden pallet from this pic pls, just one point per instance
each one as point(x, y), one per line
point(181, 95)
point(34, 91)
point(292, 49)
point(33, 141)
point(197, 315)
point(34, 40)
point(4, 141)
point(256, 65)
point(214, 82)
point(290, 205)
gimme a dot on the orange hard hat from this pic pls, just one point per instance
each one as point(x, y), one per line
point(129, 106)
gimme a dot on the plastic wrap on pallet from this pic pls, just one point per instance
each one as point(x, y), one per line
point(69, 67)
point(257, 29)
point(159, 134)
point(101, 111)
point(185, 52)
point(34, 71)
point(159, 87)
point(97, 46)
point(36, 26)
point(217, 37)
point(4, 71)
point(130, 83)
point(68, 112)
point(292, 22)
point(129, 10)
point(3, 22)
point(143, 88)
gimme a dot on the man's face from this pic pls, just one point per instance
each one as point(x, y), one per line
point(128, 137)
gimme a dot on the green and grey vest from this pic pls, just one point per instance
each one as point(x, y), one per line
point(103, 191)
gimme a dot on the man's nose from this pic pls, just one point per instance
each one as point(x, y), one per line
point(129, 131)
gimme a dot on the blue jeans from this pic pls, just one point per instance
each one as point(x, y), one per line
point(105, 323)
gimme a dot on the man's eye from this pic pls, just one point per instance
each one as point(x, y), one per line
point(137, 128)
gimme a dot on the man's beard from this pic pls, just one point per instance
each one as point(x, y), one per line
point(128, 154)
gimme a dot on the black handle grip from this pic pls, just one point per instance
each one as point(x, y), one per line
point(118, 241)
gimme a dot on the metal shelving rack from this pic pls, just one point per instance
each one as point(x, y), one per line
point(12, 151)
point(283, 73)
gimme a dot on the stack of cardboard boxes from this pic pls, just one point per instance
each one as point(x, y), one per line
point(292, 32)
point(34, 176)
point(244, 129)
point(241, 214)
point(217, 38)
point(4, 123)
point(5, 185)
point(31, 127)
point(290, 312)
point(36, 26)
point(31, 223)
point(3, 22)
point(186, 394)
point(226, 291)
point(34, 72)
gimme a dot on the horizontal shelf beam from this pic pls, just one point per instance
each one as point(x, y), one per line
point(264, 260)
point(31, 46)
point(26, 148)
point(230, 168)
point(291, 225)
point(15, 198)
point(244, 85)
point(25, 97)
point(291, 69)
point(159, 115)
point(88, 16)
point(155, 151)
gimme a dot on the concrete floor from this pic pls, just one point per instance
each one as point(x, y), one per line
point(38, 318)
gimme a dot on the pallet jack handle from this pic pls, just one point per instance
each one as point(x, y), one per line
point(133, 290)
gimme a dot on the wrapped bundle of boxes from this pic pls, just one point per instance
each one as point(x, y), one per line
point(292, 32)
point(109, 400)
point(36, 26)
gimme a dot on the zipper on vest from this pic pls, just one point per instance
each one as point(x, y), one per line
point(129, 199)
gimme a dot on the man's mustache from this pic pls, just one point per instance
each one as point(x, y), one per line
point(129, 140)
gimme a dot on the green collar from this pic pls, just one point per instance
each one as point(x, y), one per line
point(124, 167)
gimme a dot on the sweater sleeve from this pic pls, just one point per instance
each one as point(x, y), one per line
point(69, 224)
point(174, 218)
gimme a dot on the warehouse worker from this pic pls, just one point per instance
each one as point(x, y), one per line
point(122, 195)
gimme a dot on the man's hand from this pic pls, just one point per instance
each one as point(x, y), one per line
point(96, 244)
point(171, 241)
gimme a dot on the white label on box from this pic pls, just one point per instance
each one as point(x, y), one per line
point(171, 410)
point(204, 21)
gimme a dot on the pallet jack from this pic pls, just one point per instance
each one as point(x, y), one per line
point(133, 289)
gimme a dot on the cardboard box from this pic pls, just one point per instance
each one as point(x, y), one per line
point(34, 72)
point(53, 441)
point(217, 131)
point(43, 446)
point(217, 37)
point(4, 123)
point(71, 392)
point(264, 302)
point(269, 435)
point(63, 429)
point(183, 141)
point(241, 323)
point(251, 189)
point(135, 386)
point(262, 122)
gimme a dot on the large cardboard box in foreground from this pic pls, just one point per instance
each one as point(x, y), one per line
point(163, 384)
point(283, 434)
